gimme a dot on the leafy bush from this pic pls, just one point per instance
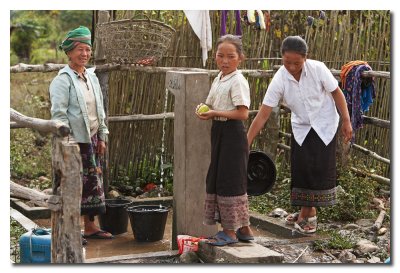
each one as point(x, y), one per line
point(148, 174)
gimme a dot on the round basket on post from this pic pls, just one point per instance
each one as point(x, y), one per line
point(135, 41)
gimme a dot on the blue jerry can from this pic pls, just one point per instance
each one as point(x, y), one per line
point(35, 246)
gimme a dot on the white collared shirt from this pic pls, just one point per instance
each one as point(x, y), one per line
point(309, 99)
point(230, 91)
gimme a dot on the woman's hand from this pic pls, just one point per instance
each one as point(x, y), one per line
point(347, 131)
point(206, 115)
point(101, 147)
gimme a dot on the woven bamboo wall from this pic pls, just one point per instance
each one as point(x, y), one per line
point(343, 37)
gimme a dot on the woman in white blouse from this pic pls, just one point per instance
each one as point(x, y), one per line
point(312, 93)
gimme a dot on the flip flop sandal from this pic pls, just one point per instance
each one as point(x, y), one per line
point(98, 235)
point(243, 237)
point(310, 222)
point(222, 239)
point(292, 218)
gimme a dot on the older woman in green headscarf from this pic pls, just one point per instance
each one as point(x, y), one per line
point(77, 101)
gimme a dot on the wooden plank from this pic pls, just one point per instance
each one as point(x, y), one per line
point(53, 202)
point(42, 125)
point(37, 197)
point(24, 221)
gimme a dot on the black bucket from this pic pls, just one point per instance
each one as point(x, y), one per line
point(115, 220)
point(148, 222)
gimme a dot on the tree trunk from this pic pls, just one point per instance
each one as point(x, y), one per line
point(66, 239)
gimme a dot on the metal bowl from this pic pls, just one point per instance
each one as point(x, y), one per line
point(261, 173)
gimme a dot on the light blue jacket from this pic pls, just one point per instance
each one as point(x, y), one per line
point(68, 104)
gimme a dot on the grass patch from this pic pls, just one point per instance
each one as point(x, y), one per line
point(16, 231)
point(336, 241)
point(30, 152)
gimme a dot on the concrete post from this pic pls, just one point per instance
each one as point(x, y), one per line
point(192, 149)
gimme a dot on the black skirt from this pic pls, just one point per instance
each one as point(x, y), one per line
point(313, 170)
point(227, 174)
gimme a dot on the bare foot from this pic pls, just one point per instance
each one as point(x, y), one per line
point(246, 230)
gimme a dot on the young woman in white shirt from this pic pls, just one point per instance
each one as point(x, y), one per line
point(312, 93)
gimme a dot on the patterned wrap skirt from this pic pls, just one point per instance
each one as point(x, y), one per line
point(93, 201)
point(226, 183)
point(313, 170)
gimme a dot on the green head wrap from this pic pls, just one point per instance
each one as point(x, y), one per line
point(80, 34)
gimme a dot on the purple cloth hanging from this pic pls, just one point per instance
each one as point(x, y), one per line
point(238, 26)
point(224, 14)
point(359, 94)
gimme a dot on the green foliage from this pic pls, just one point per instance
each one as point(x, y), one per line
point(13, 58)
point(70, 19)
point(30, 152)
point(352, 203)
point(16, 231)
point(22, 38)
point(43, 55)
point(335, 241)
point(149, 173)
point(27, 159)
point(35, 34)
point(168, 179)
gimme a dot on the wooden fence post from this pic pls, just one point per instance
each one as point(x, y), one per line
point(66, 239)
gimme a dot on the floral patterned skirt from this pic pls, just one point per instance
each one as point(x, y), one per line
point(231, 211)
point(93, 201)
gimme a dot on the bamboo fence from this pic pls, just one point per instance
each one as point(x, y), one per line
point(341, 37)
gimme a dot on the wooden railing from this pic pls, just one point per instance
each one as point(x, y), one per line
point(64, 203)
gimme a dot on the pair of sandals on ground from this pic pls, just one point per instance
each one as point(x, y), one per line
point(223, 239)
point(307, 225)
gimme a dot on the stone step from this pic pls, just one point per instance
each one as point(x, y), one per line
point(243, 253)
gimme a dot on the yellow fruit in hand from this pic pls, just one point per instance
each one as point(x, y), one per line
point(202, 109)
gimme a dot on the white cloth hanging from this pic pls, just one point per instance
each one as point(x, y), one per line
point(251, 17)
point(199, 20)
point(261, 19)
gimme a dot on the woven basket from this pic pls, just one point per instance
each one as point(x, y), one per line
point(133, 40)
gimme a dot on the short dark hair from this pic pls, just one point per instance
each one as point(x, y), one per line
point(294, 44)
point(233, 39)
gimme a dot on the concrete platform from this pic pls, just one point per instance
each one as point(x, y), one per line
point(124, 248)
point(243, 253)
point(30, 212)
